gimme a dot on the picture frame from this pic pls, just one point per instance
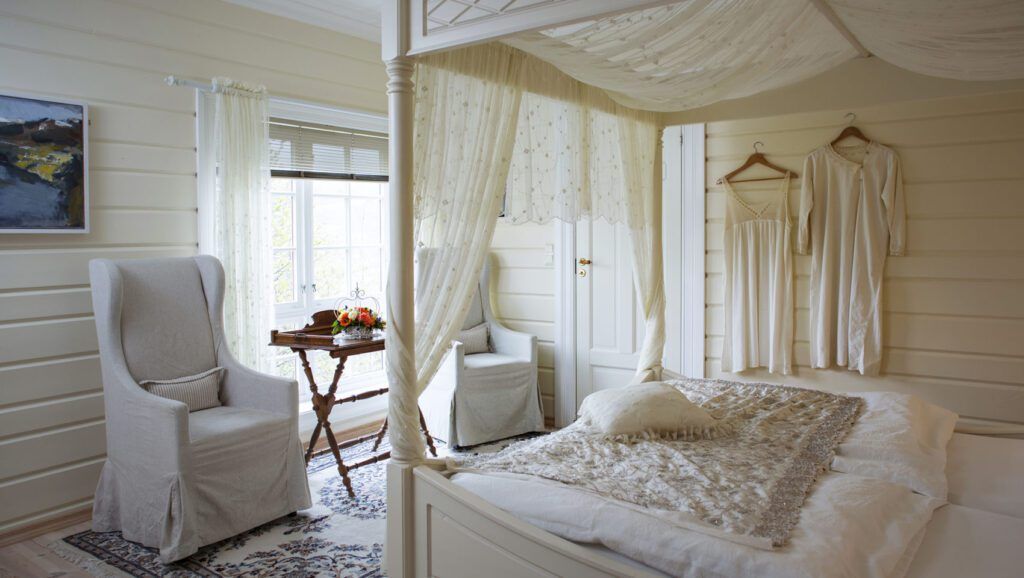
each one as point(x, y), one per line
point(44, 165)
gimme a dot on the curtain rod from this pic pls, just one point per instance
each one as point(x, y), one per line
point(175, 81)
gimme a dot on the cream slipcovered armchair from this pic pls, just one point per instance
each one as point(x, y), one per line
point(484, 397)
point(176, 480)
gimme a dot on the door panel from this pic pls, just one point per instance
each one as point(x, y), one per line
point(609, 327)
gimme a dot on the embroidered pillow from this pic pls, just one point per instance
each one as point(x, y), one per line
point(476, 339)
point(196, 391)
point(648, 410)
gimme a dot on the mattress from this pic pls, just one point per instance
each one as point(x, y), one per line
point(961, 541)
point(986, 473)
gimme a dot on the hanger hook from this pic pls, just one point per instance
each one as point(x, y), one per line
point(851, 117)
point(756, 150)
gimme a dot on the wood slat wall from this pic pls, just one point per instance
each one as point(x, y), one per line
point(114, 55)
point(523, 293)
point(954, 317)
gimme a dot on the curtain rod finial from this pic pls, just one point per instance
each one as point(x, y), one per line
point(171, 80)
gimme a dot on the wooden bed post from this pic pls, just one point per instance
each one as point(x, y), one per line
point(407, 444)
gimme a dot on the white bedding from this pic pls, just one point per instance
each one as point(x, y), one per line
point(865, 522)
point(849, 526)
point(957, 543)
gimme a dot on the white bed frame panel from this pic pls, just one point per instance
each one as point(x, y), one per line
point(459, 534)
point(435, 528)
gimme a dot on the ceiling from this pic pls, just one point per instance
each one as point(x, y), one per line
point(359, 18)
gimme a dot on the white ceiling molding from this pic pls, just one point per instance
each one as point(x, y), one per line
point(359, 18)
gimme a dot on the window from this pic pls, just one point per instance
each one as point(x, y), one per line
point(328, 193)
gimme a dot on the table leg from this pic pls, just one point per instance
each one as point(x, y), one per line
point(426, 432)
point(380, 435)
point(342, 468)
point(312, 441)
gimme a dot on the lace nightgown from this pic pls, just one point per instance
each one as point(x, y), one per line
point(851, 215)
point(758, 283)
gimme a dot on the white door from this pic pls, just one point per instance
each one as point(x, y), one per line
point(602, 326)
point(609, 326)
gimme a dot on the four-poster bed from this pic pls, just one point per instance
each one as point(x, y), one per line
point(597, 72)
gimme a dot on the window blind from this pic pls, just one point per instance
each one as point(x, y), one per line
point(300, 149)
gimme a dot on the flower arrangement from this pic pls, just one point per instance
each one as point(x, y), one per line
point(357, 322)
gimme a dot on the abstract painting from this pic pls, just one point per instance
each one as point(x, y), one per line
point(44, 181)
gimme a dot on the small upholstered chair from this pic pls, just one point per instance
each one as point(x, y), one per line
point(173, 479)
point(483, 397)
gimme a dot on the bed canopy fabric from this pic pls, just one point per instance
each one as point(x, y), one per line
point(689, 54)
point(494, 125)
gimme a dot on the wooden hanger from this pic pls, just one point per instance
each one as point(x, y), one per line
point(850, 130)
point(758, 158)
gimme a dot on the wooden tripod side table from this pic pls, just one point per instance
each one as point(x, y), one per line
point(317, 336)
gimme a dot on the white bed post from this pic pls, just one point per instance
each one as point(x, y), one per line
point(403, 416)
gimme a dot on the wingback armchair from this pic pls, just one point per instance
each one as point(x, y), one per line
point(176, 480)
point(484, 397)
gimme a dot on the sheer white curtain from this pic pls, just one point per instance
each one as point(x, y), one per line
point(467, 103)
point(493, 123)
point(241, 218)
point(640, 140)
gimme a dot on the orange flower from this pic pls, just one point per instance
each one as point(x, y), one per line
point(344, 319)
point(366, 319)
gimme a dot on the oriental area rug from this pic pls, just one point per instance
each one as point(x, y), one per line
point(339, 536)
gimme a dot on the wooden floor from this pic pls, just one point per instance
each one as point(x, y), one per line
point(31, 558)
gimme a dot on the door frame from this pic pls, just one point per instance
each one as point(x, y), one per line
point(683, 198)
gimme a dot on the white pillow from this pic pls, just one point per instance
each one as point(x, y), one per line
point(198, 391)
point(476, 339)
point(647, 410)
point(901, 439)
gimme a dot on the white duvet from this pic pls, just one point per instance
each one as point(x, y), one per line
point(850, 525)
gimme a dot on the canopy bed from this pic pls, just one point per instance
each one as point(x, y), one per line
point(553, 107)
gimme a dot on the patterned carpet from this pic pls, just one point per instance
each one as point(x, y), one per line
point(339, 536)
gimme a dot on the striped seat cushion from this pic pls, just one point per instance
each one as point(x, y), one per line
point(196, 391)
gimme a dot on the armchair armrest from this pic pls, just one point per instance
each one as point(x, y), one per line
point(146, 430)
point(513, 343)
point(245, 387)
point(443, 384)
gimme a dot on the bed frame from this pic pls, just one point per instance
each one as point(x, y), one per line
point(435, 528)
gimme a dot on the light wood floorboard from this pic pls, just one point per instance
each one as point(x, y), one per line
point(32, 559)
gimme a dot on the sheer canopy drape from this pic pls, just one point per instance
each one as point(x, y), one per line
point(694, 53)
point(495, 125)
point(467, 104)
point(242, 216)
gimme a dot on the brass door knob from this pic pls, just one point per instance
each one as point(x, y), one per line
point(584, 261)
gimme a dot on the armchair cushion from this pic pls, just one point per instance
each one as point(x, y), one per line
point(196, 391)
point(489, 363)
point(228, 426)
point(476, 339)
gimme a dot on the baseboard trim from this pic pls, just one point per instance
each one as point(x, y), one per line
point(45, 526)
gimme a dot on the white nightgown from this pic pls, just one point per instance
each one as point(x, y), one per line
point(758, 284)
point(851, 214)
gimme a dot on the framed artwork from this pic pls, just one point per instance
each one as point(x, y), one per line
point(44, 166)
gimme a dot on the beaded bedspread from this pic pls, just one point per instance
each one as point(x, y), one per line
point(747, 487)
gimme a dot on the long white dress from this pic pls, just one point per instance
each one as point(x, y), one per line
point(851, 214)
point(758, 284)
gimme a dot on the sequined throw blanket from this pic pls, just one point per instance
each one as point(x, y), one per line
point(747, 487)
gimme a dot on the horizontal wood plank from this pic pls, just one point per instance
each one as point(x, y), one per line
point(38, 452)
